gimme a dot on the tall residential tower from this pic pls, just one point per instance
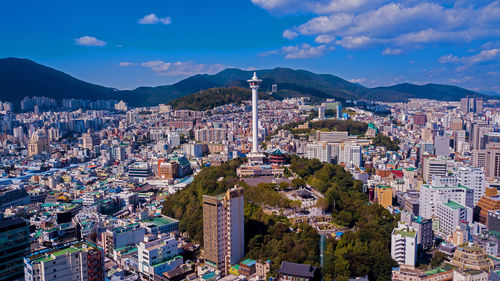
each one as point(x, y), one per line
point(223, 229)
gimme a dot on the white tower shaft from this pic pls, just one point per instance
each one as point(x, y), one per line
point(254, 85)
point(255, 119)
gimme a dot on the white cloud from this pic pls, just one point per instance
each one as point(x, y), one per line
point(483, 56)
point(289, 34)
point(389, 51)
point(154, 19)
point(89, 41)
point(315, 6)
point(397, 24)
point(268, 53)
point(350, 42)
point(449, 59)
point(186, 68)
point(326, 24)
point(324, 38)
point(303, 51)
point(126, 63)
point(358, 80)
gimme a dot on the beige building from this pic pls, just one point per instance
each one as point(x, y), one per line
point(471, 257)
point(492, 161)
point(38, 144)
point(88, 141)
point(470, 275)
point(223, 229)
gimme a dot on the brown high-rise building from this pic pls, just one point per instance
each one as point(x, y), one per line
point(456, 124)
point(168, 170)
point(492, 161)
point(480, 129)
point(223, 229)
point(419, 119)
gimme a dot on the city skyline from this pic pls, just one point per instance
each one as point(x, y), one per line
point(133, 44)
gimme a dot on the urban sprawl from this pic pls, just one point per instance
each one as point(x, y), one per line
point(265, 190)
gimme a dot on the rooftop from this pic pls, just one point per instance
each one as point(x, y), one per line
point(45, 256)
point(405, 233)
point(454, 205)
point(160, 220)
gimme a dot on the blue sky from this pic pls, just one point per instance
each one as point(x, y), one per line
point(130, 43)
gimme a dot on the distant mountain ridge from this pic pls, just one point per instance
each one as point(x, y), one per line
point(23, 77)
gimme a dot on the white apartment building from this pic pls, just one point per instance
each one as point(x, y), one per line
point(335, 136)
point(321, 151)
point(158, 254)
point(210, 135)
point(404, 245)
point(78, 261)
point(350, 154)
point(430, 195)
point(450, 214)
point(473, 178)
point(174, 139)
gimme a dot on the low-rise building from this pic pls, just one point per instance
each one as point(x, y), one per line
point(76, 261)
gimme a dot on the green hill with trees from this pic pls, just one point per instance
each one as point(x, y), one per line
point(363, 251)
point(208, 99)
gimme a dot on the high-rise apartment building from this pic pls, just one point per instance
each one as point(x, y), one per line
point(321, 151)
point(223, 229)
point(479, 158)
point(434, 167)
point(480, 130)
point(350, 155)
point(471, 104)
point(492, 161)
point(75, 261)
point(14, 245)
point(210, 135)
point(473, 178)
point(450, 214)
point(130, 116)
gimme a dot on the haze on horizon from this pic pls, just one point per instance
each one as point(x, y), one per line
point(125, 44)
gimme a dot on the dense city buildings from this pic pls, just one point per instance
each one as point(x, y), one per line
point(126, 192)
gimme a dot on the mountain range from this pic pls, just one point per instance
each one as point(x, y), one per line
point(22, 77)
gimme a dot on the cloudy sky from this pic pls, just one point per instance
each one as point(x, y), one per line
point(130, 43)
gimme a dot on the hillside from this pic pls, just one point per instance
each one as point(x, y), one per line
point(208, 99)
point(22, 77)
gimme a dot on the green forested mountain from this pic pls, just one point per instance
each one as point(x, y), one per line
point(22, 77)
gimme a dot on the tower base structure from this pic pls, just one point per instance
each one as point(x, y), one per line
point(255, 158)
